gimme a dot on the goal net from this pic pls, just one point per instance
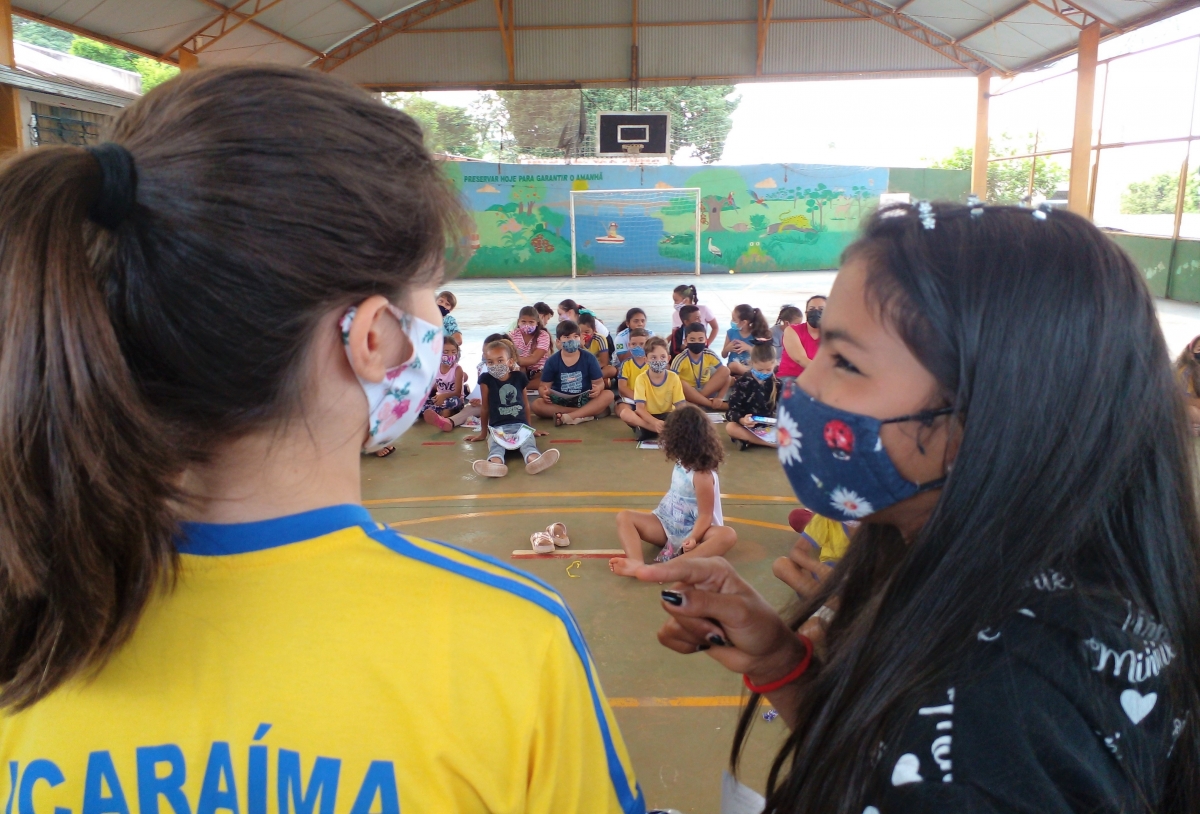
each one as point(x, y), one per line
point(635, 231)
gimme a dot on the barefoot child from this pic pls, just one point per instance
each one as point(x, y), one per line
point(446, 397)
point(504, 419)
point(688, 521)
point(705, 379)
point(656, 392)
point(753, 395)
point(572, 389)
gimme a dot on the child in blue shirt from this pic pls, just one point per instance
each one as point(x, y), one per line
point(748, 328)
point(572, 387)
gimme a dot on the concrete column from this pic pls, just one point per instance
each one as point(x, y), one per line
point(188, 61)
point(10, 97)
point(979, 162)
point(1081, 143)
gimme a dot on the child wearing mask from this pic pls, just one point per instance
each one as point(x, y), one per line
point(631, 370)
point(705, 379)
point(747, 329)
point(448, 391)
point(447, 302)
point(688, 521)
point(532, 341)
point(504, 418)
point(634, 318)
point(687, 295)
point(788, 315)
point(690, 315)
point(753, 395)
point(595, 344)
point(656, 392)
point(545, 313)
point(800, 342)
point(472, 409)
point(572, 389)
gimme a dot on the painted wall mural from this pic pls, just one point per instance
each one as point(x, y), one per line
point(768, 217)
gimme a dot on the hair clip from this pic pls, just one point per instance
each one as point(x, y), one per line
point(1041, 211)
point(925, 210)
point(976, 206)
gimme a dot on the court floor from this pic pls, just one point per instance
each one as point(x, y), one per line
point(677, 713)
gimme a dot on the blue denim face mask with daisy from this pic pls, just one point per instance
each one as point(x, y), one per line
point(835, 459)
point(390, 403)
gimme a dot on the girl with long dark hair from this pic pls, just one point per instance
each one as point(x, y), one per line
point(1015, 625)
point(1187, 373)
point(202, 325)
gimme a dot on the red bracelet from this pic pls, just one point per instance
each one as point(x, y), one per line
point(796, 672)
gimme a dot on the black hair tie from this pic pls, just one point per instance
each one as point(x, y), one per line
point(118, 185)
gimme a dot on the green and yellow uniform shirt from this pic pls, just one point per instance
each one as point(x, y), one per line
point(324, 664)
point(630, 372)
point(696, 373)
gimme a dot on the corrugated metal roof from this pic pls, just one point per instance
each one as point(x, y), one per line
point(588, 41)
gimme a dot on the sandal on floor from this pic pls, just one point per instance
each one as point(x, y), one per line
point(542, 543)
point(558, 419)
point(383, 453)
point(542, 462)
point(489, 469)
point(558, 533)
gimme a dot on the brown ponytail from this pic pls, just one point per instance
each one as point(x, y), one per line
point(85, 471)
point(127, 354)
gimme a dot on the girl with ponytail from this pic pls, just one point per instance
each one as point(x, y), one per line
point(687, 295)
point(747, 328)
point(202, 325)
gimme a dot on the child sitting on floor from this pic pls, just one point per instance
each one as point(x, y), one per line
point(753, 394)
point(448, 390)
point(545, 312)
point(532, 341)
point(572, 389)
point(595, 344)
point(705, 379)
point(749, 328)
point(630, 371)
point(504, 419)
point(688, 520)
point(690, 315)
point(447, 302)
point(656, 392)
point(635, 318)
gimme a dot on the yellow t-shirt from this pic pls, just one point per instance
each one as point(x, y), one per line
point(596, 346)
point(630, 372)
point(698, 373)
point(325, 657)
point(659, 398)
point(831, 536)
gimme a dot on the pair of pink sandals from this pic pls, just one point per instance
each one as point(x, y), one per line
point(555, 536)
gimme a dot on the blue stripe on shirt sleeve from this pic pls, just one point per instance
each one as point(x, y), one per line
point(630, 803)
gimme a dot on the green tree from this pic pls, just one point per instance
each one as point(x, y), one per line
point(35, 33)
point(153, 72)
point(1156, 195)
point(448, 129)
point(537, 121)
point(1008, 181)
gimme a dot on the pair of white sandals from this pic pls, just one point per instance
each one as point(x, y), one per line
point(555, 536)
point(490, 469)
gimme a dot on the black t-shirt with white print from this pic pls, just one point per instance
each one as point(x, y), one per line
point(1064, 707)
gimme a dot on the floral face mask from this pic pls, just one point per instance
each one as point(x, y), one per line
point(390, 403)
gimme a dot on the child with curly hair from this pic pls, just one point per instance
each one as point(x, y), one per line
point(688, 520)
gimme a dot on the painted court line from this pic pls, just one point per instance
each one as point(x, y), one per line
point(519, 291)
point(510, 495)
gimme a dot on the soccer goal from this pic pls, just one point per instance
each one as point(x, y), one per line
point(635, 231)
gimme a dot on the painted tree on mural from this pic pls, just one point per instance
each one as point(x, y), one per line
point(526, 194)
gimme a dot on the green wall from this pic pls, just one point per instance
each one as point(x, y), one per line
point(931, 185)
point(1171, 268)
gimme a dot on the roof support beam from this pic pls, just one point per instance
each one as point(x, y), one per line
point(1073, 14)
point(379, 32)
point(213, 4)
point(765, 9)
point(992, 23)
point(11, 135)
point(504, 23)
point(92, 35)
point(909, 27)
point(231, 19)
point(1081, 142)
point(361, 10)
point(979, 161)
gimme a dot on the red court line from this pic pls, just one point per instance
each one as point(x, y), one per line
point(624, 440)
